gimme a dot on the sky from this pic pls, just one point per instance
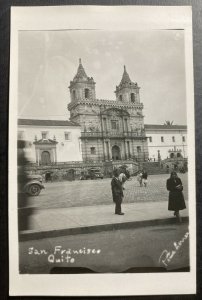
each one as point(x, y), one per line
point(155, 59)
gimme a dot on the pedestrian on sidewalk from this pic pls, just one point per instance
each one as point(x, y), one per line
point(139, 177)
point(117, 192)
point(176, 198)
point(144, 178)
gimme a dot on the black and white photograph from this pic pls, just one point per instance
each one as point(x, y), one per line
point(102, 160)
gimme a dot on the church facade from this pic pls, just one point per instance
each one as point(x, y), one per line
point(102, 133)
point(111, 130)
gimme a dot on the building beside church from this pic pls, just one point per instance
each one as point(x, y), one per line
point(166, 141)
point(50, 141)
point(110, 129)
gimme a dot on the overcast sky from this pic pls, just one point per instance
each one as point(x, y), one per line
point(48, 60)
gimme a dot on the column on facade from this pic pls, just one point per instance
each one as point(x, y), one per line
point(37, 159)
point(52, 155)
point(132, 148)
point(125, 124)
point(55, 155)
point(125, 149)
point(38, 154)
point(110, 150)
point(107, 149)
point(129, 149)
point(104, 148)
point(122, 121)
point(103, 123)
point(106, 124)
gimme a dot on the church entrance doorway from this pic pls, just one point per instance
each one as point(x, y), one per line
point(116, 153)
point(45, 158)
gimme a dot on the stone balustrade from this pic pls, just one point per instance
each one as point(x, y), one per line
point(115, 134)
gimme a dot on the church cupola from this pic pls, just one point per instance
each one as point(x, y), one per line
point(127, 91)
point(82, 86)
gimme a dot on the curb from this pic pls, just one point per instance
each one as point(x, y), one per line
point(28, 235)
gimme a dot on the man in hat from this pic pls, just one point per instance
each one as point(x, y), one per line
point(117, 192)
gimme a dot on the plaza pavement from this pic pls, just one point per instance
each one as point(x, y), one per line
point(67, 194)
point(68, 208)
point(46, 223)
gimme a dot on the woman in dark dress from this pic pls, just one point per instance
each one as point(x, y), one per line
point(176, 198)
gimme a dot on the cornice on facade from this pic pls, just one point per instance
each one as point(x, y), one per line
point(103, 102)
point(45, 142)
point(156, 127)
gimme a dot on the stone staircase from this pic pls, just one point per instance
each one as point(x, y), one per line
point(153, 168)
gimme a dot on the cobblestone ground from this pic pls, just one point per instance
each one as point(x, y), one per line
point(98, 192)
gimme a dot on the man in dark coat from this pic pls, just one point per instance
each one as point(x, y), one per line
point(117, 192)
point(176, 198)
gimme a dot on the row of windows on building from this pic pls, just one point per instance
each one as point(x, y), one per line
point(87, 95)
point(44, 135)
point(162, 139)
point(132, 97)
point(93, 150)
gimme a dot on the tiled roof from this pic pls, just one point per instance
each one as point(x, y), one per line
point(36, 122)
point(165, 127)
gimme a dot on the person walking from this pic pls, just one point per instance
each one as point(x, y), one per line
point(139, 178)
point(144, 178)
point(117, 192)
point(176, 198)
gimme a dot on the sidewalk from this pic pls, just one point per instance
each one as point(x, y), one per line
point(56, 222)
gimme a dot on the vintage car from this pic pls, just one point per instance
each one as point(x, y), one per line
point(30, 184)
point(92, 174)
point(34, 185)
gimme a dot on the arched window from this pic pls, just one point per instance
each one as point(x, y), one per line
point(179, 154)
point(171, 155)
point(132, 97)
point(120, 98)
point(87, 93)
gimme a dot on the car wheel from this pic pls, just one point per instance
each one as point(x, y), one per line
point(34, 190)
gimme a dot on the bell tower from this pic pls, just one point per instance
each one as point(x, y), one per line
point(127, 91)
point(82, 86)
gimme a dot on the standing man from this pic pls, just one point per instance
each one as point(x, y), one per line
point(117, 192)
point(144, 178)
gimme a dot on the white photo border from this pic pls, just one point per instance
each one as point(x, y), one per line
point(100, 17)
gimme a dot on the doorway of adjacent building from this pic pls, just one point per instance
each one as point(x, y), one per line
point(70, 174)
point(45, 158)
point(116, 153)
